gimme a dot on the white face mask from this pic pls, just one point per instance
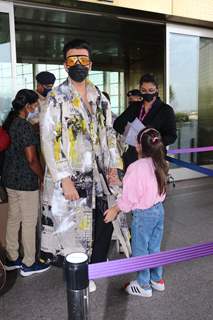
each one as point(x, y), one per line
point(33, 114)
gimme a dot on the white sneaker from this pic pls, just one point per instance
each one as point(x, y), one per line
point(92, 286)
point(158, 285)
point(134, 289)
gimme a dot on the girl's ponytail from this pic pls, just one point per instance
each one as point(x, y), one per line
point(161, 169)
point(152, 146)
point(9, 119)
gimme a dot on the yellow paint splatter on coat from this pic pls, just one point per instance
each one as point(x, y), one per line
point(72, 151)
point(76, 102)
point(84, 224)
point(57, 149)
point(57, 143)
point(83, 126)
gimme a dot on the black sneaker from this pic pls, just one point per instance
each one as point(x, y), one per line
point(12, 265)
point(26, 271)
point(58, 261)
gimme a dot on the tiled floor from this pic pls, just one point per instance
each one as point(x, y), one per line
point(189, 285)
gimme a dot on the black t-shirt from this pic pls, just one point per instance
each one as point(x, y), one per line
point(17, 174)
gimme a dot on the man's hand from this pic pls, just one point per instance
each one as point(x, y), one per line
point(111, 214)
point(69, 190)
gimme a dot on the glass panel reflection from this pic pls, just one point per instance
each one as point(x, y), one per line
point(191, 93)
point(183, 90)
point(5, 66)
point(205, 100)
point(106, 81)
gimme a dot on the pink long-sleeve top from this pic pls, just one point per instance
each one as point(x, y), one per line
point(140, 188)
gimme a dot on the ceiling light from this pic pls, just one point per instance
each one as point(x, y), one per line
point(140, 20)
point(51, 8)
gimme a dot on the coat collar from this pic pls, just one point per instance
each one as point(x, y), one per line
point(157, 105)
point(93, 95)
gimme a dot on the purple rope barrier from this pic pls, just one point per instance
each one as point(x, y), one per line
point(190, 150)
point(122, 266)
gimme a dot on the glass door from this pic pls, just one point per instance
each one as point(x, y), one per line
point(190, 92)
point(7, 57)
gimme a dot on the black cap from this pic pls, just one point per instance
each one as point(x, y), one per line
point(134, 92)
point(45, 77)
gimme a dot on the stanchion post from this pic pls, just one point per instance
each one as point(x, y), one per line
point(76, 274)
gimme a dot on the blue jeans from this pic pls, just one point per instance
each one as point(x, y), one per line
point(147, 233)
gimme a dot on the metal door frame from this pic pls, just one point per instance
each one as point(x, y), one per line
point(8, 7)
point(183, 173)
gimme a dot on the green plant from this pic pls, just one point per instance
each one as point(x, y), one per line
point(182, 117)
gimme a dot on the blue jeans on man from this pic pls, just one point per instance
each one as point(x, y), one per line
point(147, 233)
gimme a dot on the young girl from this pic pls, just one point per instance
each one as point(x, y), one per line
point(144, 187)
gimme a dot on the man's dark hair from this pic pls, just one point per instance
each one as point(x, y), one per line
point(77, 44)
point(148, 77)
point(106, 95)
point(45, 77)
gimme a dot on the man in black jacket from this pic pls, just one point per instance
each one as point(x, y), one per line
point(152, 112)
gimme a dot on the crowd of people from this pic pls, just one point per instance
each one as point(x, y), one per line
point(62, 154)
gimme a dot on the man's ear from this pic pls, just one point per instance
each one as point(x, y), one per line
point(65, 67)
point(39, 87)
point(90, 66)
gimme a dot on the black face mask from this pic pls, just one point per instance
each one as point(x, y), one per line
point(149, 96)
point(46, 91)
point(78, 72)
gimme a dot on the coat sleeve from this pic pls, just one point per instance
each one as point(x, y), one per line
point(51, 140)
point(169, 132)
point(127, 116)
point(115, 160)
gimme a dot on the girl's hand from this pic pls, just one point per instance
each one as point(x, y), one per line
point(111, 214)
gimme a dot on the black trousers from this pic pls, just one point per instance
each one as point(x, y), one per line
point(102, 232)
